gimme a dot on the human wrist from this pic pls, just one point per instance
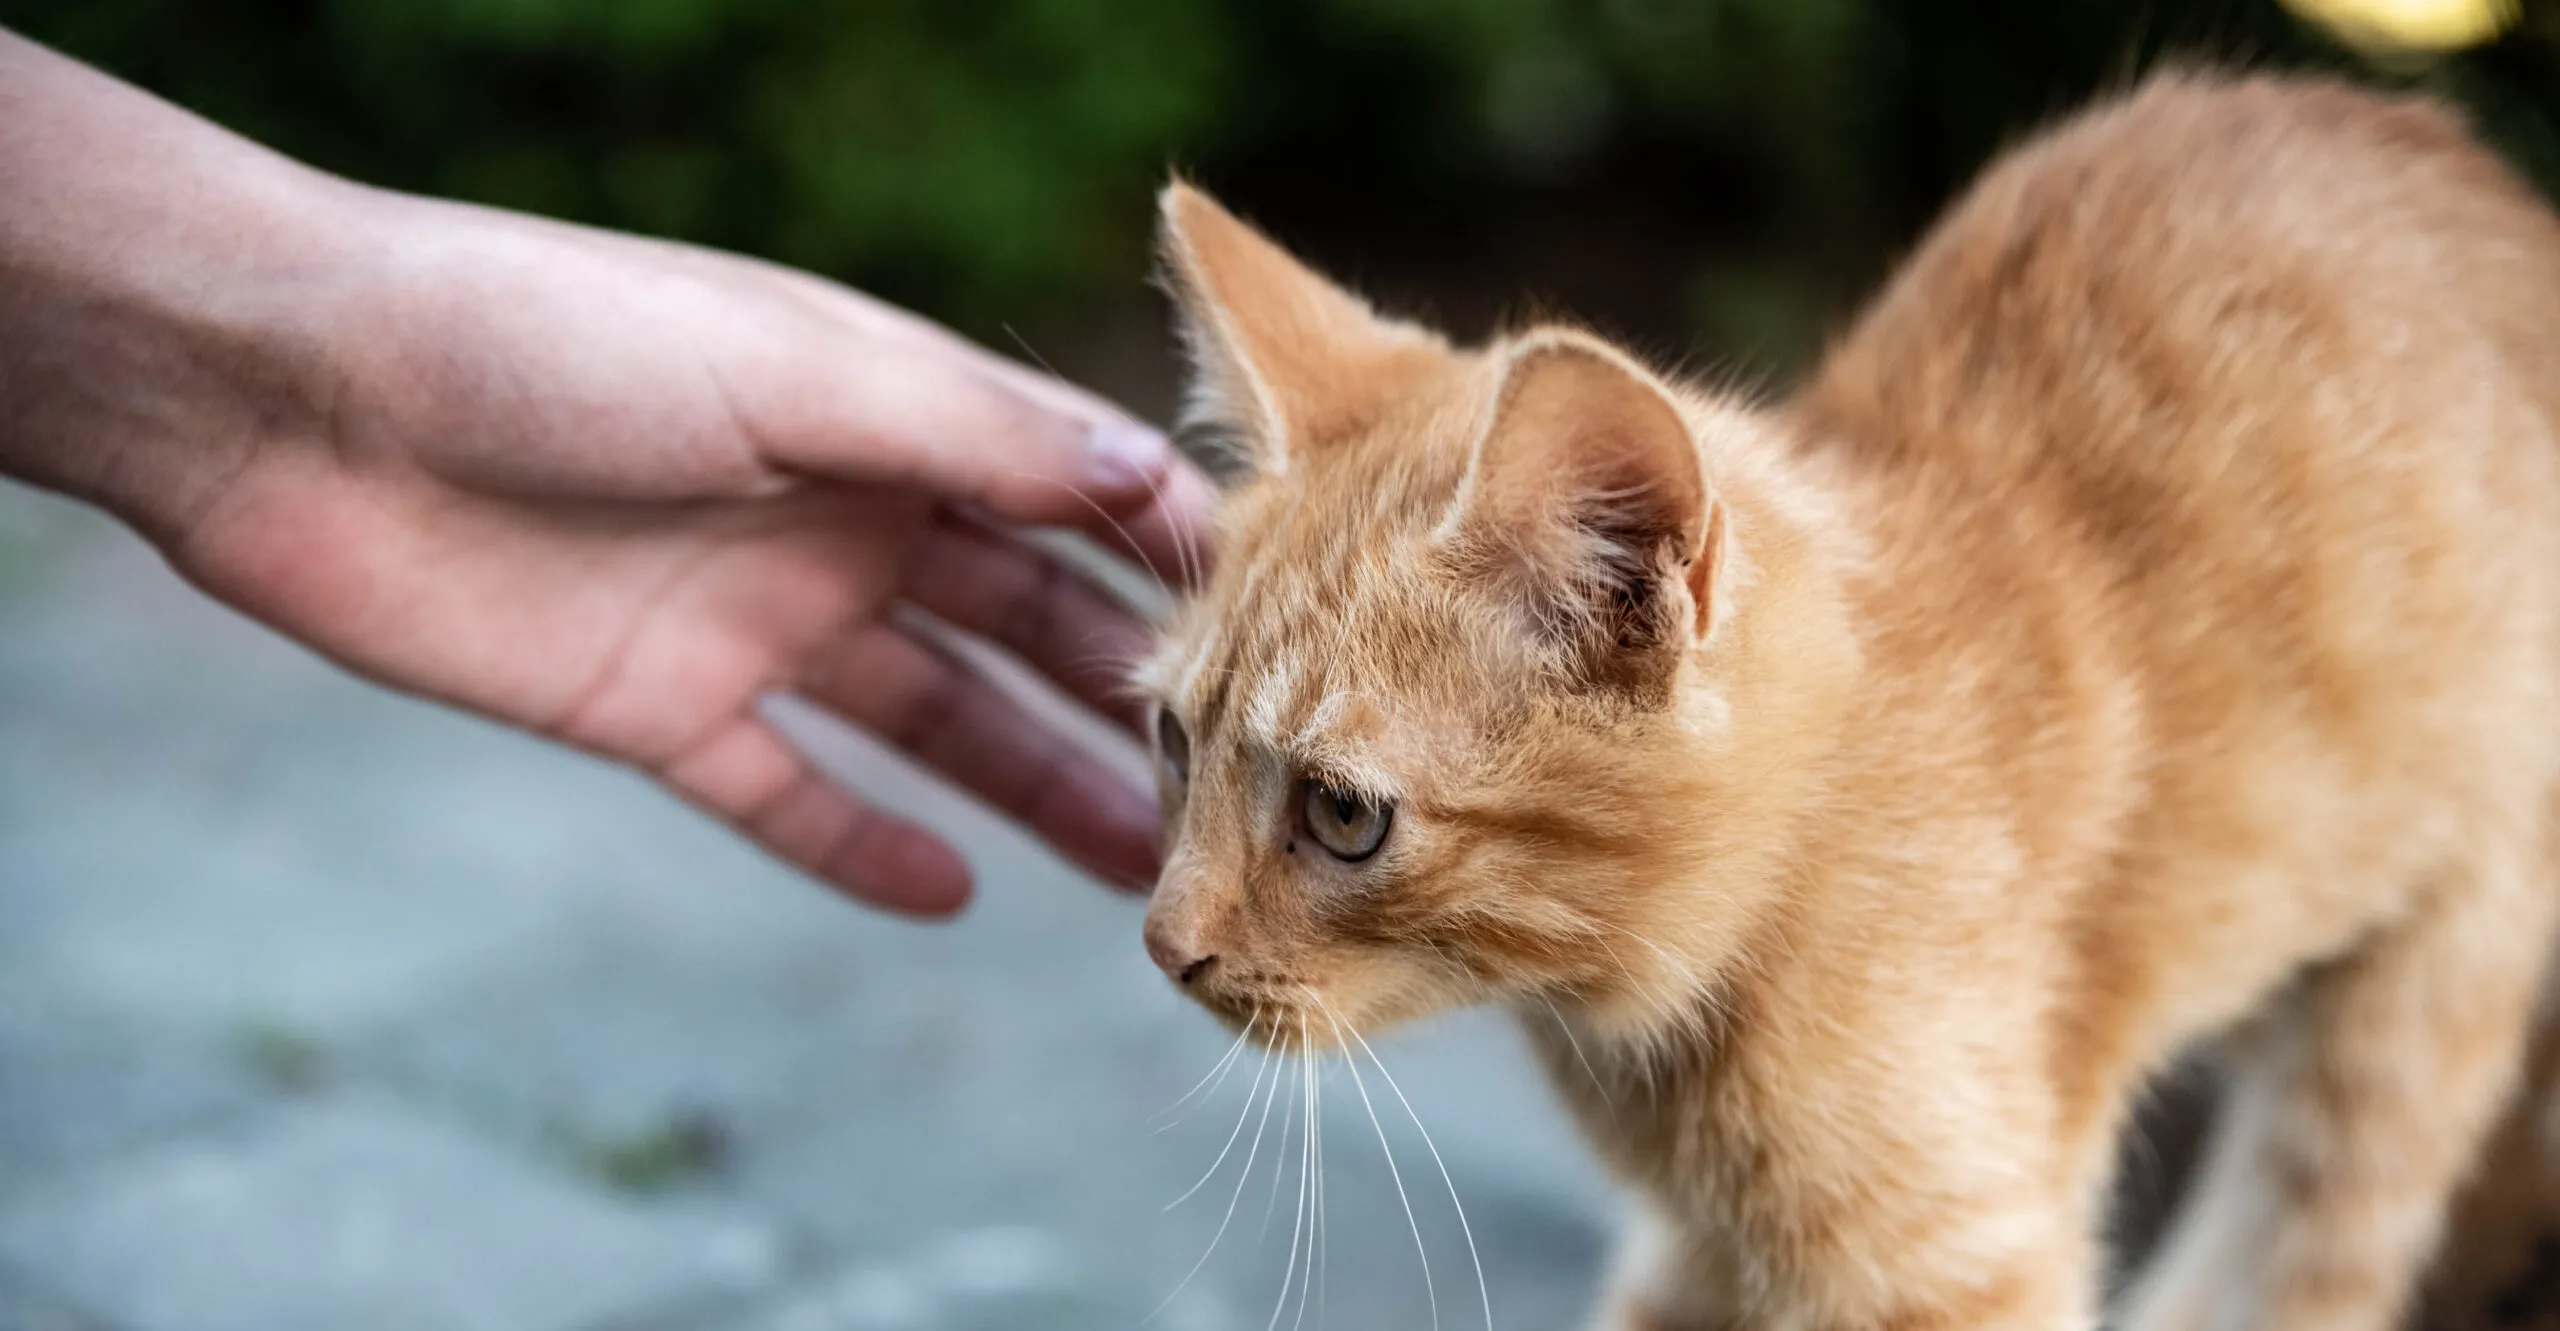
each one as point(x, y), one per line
point(167, 295)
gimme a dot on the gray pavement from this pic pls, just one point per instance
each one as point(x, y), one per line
point(324, 1009)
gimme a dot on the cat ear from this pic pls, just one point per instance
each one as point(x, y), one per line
point(1283, 361)
point(1586, 500)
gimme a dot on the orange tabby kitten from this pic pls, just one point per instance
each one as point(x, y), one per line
point(2145, 625)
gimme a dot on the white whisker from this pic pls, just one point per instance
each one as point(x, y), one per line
point(1675, 965)
point(1187, 558)
point(1297, 1221)
point(1446, 1181)
point(1241, 1179)
point(1184, 553)
point(1231, 1137)
point(1131, 541)
point(1314, 1211)
point(1313, 1180)
point(1280, 1158)
point(1576, 1042)
point(1217, 1071)
point(1321, 1230)
point(1036, 358)
point(1430, 1292)
point(1644, 1065)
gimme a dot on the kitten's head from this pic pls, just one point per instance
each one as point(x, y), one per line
point(1455, 717)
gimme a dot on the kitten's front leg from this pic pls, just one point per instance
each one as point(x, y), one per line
point(1665, 1280)
point(2356, 1112)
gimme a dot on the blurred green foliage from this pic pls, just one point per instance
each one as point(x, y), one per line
point(283, 1058)
point(1717, 173)
point(663, 1153)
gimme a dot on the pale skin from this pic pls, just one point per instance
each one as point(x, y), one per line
point(610, 490)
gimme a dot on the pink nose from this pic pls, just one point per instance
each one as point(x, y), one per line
point(1181, 959)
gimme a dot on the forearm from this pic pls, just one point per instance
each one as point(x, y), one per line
point(166, 294)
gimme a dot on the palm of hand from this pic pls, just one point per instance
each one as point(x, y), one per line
point(614, 492)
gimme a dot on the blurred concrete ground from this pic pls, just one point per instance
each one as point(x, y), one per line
point(324, 1009)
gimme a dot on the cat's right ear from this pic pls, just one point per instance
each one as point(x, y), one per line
point(1587, 503)
point(1283, 361)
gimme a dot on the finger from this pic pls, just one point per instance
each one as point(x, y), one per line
point(886, 409)
point(1171, 534)
point(746, 773)
point(858, 389)
point(1034, 606)
point(930, 704)
point(1041, 384)
point(837, 304)
point(1168, 532)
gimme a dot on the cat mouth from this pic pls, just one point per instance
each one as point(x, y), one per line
point(1297, 1020)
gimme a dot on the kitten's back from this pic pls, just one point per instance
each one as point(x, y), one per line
point(2225, 422)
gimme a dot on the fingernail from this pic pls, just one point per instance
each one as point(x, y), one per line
point(1123, 455)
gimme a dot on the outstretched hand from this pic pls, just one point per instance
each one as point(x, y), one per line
point(613, 491)
point(607, 489)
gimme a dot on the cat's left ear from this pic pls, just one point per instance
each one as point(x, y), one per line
point(1284, 362)
point(1587, 502)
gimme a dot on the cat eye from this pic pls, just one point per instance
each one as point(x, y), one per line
point(1173, 751)
point(1349, 826)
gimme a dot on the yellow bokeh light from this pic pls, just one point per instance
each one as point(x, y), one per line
point(2412, 25)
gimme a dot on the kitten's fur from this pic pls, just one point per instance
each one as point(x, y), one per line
point(2146, 624)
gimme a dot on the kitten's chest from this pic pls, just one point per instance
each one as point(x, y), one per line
point(1772, 1126)
point(1664, 1119)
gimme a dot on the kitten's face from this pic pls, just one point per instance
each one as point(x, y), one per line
point(1402, 733)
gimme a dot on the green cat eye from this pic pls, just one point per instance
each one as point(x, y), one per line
point(1350, 826)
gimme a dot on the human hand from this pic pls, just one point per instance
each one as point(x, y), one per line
point(606, 489)
point(614, 490)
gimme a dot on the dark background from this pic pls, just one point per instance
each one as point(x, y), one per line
point(1718, 180)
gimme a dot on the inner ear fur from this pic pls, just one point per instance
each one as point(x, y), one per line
point(1283, 360)
point(1586, 499)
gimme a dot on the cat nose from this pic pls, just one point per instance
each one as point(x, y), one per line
point(1182, 959)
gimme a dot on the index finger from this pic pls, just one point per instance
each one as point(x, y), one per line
point(1154, 510)
point(911, 412)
